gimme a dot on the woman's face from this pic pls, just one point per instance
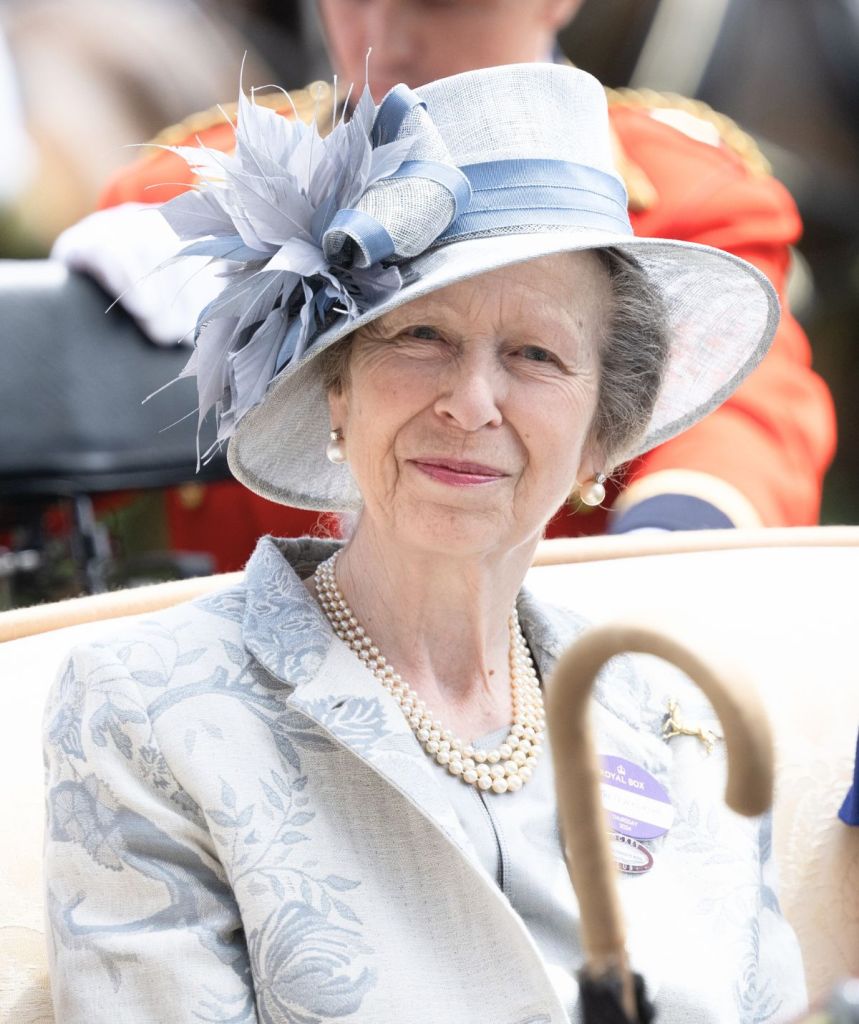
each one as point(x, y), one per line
point(465, 413)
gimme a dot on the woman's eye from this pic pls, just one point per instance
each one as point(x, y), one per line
point(423, 332)
point(538, 355)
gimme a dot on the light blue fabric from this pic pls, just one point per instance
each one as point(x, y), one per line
point(518, 842)
point(373, 236)
point(513, 193)
point(447, 176)
point(393, 110)
point(243, 829)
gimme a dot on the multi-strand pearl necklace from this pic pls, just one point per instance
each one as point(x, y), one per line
point(502, 770)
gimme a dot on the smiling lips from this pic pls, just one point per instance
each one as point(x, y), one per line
point(458, 474)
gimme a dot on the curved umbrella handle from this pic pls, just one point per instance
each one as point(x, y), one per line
point(577, 778)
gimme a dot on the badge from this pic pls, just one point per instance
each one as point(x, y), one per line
point(631, 856)
point(638, 806)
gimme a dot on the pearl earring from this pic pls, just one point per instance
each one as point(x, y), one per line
point(593, 493)
point(335, 450)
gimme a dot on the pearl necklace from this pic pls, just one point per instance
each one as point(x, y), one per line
point(502, 770)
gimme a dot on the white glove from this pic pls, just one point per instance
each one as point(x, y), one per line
point(121, 247)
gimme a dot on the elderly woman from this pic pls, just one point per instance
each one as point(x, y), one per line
point(325, 794)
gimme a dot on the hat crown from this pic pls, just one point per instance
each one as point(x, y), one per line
point(509, 149)
point(523, 112)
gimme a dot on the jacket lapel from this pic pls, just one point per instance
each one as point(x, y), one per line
point(290, 636)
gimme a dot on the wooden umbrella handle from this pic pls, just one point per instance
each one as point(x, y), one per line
point(592, 870)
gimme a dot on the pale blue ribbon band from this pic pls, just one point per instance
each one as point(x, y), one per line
point(515, 193)
point(446, 175)
point(370, 233)
point(394, 109)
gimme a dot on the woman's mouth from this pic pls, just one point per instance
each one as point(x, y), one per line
point(458, 474)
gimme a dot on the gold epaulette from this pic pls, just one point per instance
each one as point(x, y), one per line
point(730, 133)
point(315, 100)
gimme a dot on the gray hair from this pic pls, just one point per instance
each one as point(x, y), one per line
point(633, 357)
point(633, 354)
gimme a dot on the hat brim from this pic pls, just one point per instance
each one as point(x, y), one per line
point(722, 315)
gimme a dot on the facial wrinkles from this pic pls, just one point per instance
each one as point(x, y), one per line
point(452, 367)
point(472, 388)
point(527, 310)
point(482, 326)
point(503, 306)
point(504, 314)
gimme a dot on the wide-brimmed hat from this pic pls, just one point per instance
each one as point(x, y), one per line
point(457, 178)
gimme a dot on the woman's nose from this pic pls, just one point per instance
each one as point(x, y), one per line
point(471, 396)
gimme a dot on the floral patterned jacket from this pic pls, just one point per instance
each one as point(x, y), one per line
point(242, 828)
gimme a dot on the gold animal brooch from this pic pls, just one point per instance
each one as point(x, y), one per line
point(673, 725)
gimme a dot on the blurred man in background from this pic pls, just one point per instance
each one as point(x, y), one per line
point(690, 174)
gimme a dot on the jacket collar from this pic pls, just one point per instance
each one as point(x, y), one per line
point(288, 634)
point(291, 637)
point(283, 627)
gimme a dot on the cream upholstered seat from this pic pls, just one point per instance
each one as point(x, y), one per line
point(780, 602)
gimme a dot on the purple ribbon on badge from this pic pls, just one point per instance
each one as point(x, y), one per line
point(637, 805)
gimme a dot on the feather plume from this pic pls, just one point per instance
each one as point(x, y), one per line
point(264, 212)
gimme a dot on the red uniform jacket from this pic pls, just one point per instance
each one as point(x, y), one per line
point(692, 178)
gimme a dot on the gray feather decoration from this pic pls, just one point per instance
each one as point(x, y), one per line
point(264, 212)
